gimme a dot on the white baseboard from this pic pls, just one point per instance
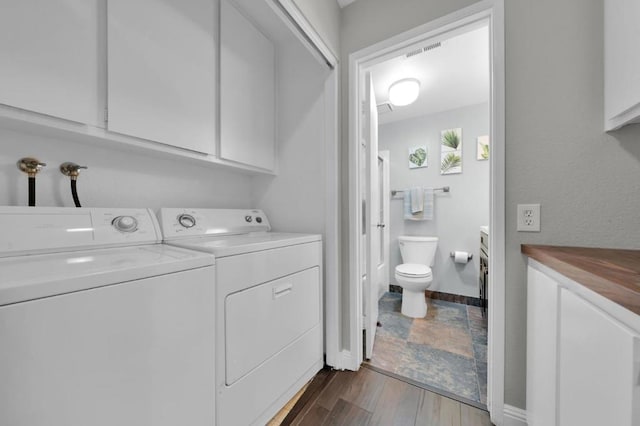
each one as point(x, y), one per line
point(514, 416)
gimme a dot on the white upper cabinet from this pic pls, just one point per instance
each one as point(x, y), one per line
point(247, 91)
point(49, 59)
point(162, 71)
point(621, 63)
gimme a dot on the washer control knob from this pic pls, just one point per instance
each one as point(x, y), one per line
point(258, 219)
point(125, 223)
point(186, 220)
point(248, 218)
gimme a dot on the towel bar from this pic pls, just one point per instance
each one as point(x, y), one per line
point(395, 191)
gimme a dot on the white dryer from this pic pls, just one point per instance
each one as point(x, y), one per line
point(268, 307)
point(100, 324)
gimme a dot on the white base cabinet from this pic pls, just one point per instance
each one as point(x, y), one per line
point(542, 320)
point(597, 366)
point(583, 355)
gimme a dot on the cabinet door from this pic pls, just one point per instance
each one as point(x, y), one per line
point(622, 62)
point(598, 367)
point(247, 91)
point(542, 325)
point(48, 57)
point(161, 71)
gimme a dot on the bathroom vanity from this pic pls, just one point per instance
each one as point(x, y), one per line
point(484, 269)
point(583, 336)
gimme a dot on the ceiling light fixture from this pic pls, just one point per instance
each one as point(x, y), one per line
point(404, 92)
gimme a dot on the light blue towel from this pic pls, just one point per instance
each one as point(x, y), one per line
point(427, 207)
point(417, 199)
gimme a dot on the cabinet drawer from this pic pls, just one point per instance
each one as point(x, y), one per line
point(263, 320)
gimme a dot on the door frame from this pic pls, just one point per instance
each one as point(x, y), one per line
point(386, 219)
point(493, 12)
point(373, 202)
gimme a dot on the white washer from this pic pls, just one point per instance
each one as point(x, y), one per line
point(100, 324)
point(268, 307)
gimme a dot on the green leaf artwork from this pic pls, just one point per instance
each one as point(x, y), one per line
point(451, 151)
point(418, 157)
point(449, 163)
point(483, 148)
point(485, 152)
point(451, 139)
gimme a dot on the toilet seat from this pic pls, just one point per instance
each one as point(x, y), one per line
point(413, 270)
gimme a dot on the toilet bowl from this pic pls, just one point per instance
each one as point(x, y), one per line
point(414, 275)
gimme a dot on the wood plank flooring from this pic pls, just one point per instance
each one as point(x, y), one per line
point(367, 397)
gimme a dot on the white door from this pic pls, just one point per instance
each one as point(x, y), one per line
point(371, 284)
point(383, 222)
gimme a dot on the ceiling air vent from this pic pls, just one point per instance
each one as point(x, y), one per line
point(384, 108)
point(414, 53)
point(432, 46)
point(423, 50)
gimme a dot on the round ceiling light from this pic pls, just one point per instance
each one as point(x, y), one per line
point(404, 92)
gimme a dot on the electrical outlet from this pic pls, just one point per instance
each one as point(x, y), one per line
point(528, 217)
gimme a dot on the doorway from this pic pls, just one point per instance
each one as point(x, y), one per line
point(446, 349)
point(364, 207)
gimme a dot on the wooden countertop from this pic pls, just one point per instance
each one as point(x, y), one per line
point(612, 273)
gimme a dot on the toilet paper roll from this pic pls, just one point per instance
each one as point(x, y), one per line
point(461, 257)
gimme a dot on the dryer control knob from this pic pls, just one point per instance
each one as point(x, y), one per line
point(125, 223)
point(248, 218)
point(186, 220)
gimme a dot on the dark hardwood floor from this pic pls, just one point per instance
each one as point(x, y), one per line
point(367, 397)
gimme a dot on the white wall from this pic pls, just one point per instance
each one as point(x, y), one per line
point(115, 178)
point(294, 199)
point(458, 214)
point(588, 182)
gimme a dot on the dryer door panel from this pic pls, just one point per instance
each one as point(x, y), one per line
point(263, 320)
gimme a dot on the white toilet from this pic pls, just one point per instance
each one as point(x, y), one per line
point(414, 275)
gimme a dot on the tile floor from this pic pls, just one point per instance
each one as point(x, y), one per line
point(446, 350)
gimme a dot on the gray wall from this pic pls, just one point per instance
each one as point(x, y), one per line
point(459, 214)
point(588, 182)
point(115, 178)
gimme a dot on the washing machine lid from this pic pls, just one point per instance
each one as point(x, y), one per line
point(413, 270)
point(28, 277)
point(231, 245)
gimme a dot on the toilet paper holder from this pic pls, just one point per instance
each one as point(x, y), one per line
point(469, 256)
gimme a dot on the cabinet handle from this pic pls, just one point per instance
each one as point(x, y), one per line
point(281, 290)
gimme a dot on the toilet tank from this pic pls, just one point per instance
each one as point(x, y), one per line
point(420, 250)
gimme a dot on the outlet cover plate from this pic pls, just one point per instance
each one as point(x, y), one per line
point(528, 217)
